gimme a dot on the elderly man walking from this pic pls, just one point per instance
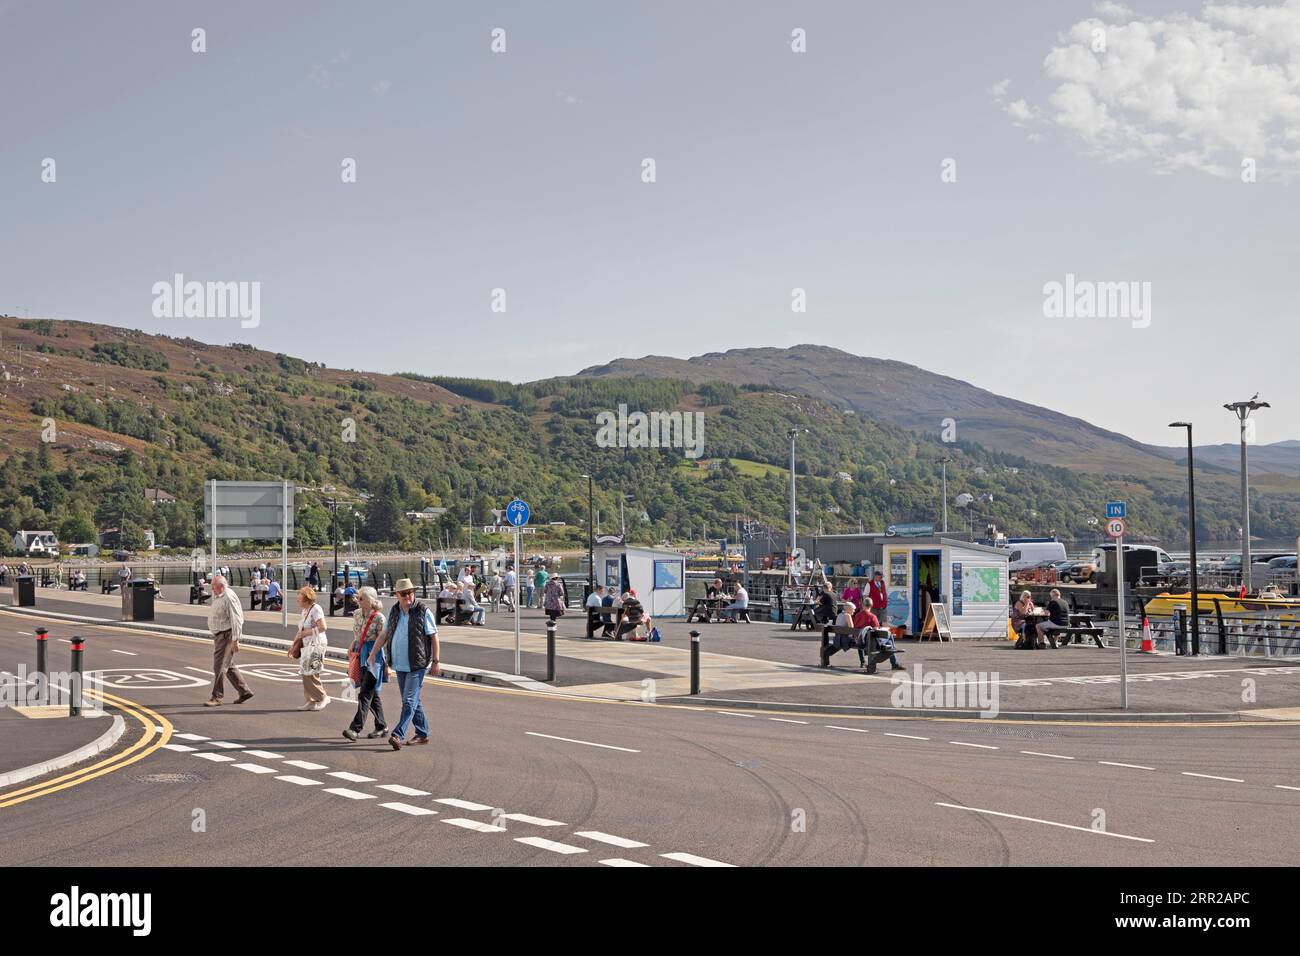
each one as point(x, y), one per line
point(411, 637)
point(226, 622)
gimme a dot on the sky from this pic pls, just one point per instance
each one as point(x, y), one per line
point(922, 172)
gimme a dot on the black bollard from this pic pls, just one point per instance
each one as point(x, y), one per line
point(550, 650)
point(42, 635)
point(695, 662)
point(74, 688)
point(1180, 637)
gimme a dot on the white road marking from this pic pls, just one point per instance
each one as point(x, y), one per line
point(351, 777)
point(214, 757)
point(543, 844)
point(65, 640)
point(854, 730)
point(1282, 786)
point(182, 748)
point(787, 720)
point(226, 745)
point(611, 840)
point(474, 825)
point(404, 791)
point(264, 754)
point(962, 743)
point(463, 804)
point(1050, 823)
point(127, 653)
point(300, 781)
point(408, 808)
point(692, 859)
point(201, 670)
point(191, 737)
point(1035, 753)
point(730, 713)
point(350, 794)
point(254, 768)
point(1131, 766)
point(619, 861)
point(535, 821)
point(586, 743)
point(306, 765)
point(908, 736)
point(1210, 776)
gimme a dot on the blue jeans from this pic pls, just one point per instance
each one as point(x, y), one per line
point(409, 684)
point(529, 601)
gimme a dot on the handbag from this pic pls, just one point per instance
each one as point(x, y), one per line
point(354, 656)
point(295, 649)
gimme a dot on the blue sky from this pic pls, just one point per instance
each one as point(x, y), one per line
point(775, 170)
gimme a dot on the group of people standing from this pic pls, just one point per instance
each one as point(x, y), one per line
point(404, 642)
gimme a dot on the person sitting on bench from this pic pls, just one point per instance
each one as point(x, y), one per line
point(842, 642)
point(739, 603)
point(825, 610)
point(274, 599)
point(593, 604)
point(1058, 619)
point(633, 616)
point(1018, 611)
point(470, 607)
point(866, 622)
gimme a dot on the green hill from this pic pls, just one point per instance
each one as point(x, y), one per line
point(127, 411)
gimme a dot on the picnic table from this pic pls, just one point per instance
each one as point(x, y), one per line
point(707, 608)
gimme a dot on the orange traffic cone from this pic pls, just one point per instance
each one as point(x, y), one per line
point(1148, 645)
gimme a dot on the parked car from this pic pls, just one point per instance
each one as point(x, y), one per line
point(1031, 554)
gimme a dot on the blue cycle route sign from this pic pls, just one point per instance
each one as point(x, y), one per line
point(1116, 509)
point(517, 513)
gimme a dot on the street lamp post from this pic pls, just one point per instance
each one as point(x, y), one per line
point(591, 541)
point(793, 539)
point(1191, 533)
point(1242, 410)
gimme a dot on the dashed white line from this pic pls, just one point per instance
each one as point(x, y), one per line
point(306, 765)
point(473, 825)
point(619, 861)
point(116, 650)
point(404, 791)
point(787, 720)
point(351, 777)
point(300, 781)
point(585, 743)
point(853, 730)
point(1131, 766)
point(182, 748)
point(264, 754)
point(350, 794)
point(544, 844)
point(611, 840)
point(254, 768)
point(962, 743)
point(732, 713)
point(1050, 823)
point(1210, 776)
point(462, 804)
point(191, 737)
point(408, 808)
point(908, 736)
point(692, 859)
point(214, 757)
point(1282, 786)
point(535, 821)
point(226, 745)
point(1035, 753)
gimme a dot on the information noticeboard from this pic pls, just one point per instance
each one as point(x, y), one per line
point(937, 622)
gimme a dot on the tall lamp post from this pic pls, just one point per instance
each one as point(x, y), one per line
point(1191, 533)
point(591, 540)
point(1242, 410)
point(793, 539)
point(944, 462)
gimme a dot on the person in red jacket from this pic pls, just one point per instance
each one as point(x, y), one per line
point(879, 596)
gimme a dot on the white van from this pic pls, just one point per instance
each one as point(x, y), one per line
point(1028, 554)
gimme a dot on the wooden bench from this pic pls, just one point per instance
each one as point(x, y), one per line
point(874, 653)
point(200, 594)
point(451, 611)
point(1081, 626)
point(606, 618)
point(107, 585)
point(82, 585)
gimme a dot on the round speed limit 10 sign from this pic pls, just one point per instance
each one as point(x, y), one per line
point(1115, 527)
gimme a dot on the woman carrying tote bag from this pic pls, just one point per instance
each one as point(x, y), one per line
point(308, 649)
point(367, 626)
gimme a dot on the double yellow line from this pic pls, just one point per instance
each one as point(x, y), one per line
point(151, 740)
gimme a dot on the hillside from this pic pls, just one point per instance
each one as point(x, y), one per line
point(874, 387)
point(122, 411)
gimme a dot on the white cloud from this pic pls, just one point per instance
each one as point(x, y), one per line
point(383, 87)
point(1186, 91)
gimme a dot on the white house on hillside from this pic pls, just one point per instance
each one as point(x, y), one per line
point(36, 543)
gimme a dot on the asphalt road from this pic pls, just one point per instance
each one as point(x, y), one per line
point(514, 778)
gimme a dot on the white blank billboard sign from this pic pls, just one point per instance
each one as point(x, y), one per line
point(250, 509)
